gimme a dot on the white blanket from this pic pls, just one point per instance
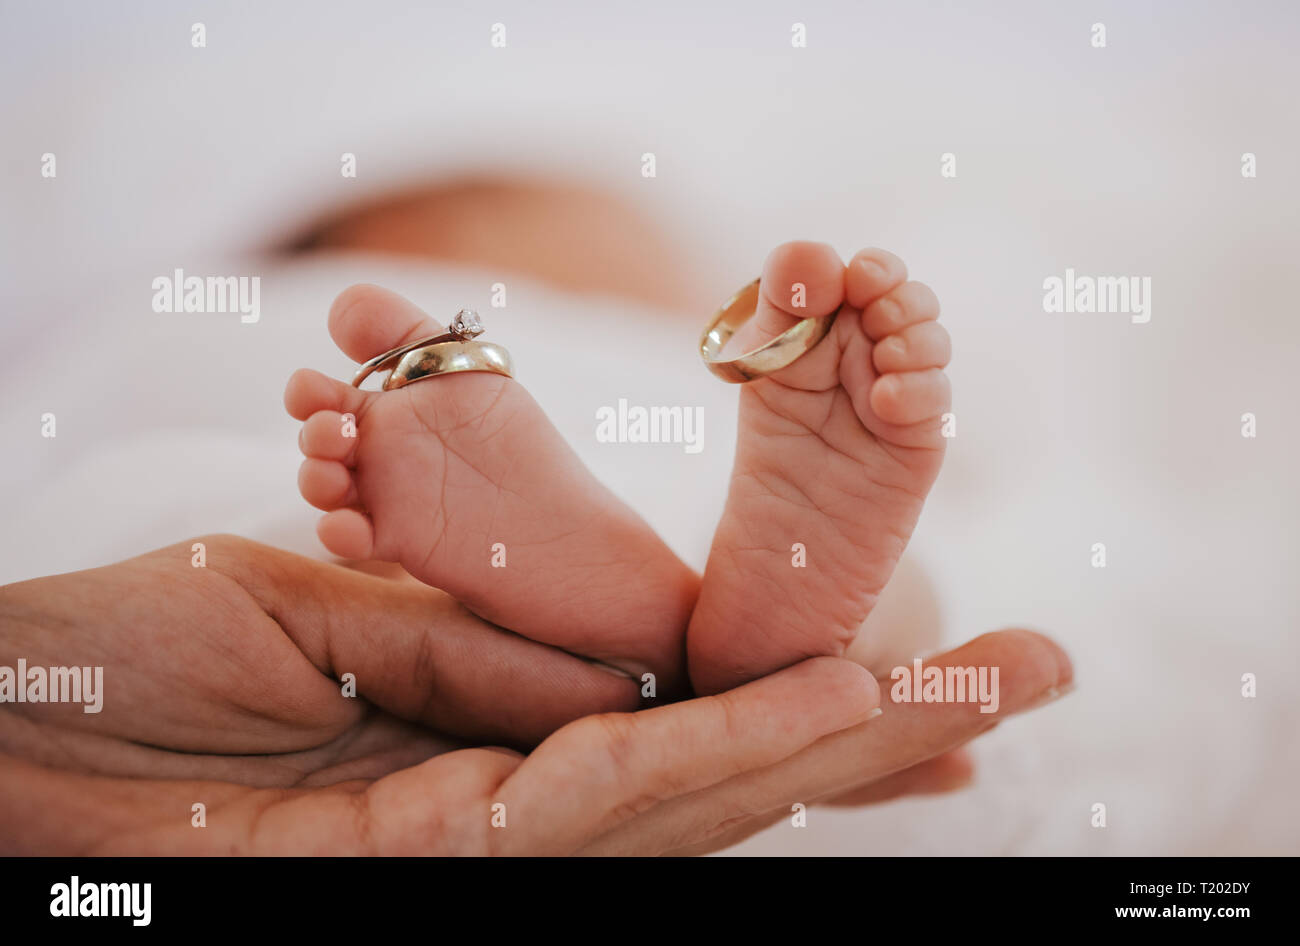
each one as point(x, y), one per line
point(1072, 429)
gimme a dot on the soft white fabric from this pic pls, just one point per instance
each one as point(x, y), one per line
point(1072, 429)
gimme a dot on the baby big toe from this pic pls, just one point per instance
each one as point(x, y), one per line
point(366, 321)
point(800, 280)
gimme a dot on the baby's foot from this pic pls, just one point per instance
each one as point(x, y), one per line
point(464, 481)
point(835, 456)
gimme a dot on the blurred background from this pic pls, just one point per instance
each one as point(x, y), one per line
point(523, 164)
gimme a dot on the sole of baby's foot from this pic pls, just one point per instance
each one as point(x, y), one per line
point(463, 480)
point(835, 456)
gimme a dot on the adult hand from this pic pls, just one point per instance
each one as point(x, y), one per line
point(221, 689)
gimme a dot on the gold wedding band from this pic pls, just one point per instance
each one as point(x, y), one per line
point(455, 350)
point(780, 352)
point(448, 357)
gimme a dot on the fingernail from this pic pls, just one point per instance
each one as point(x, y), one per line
point(609, 668)
point(1051, 695)
point(875, 712)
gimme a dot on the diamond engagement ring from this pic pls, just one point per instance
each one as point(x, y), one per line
point(453, 351)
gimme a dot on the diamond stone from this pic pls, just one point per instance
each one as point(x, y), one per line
point(466, 324)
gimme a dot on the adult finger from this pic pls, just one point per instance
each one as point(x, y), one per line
point(415, 652)
point(946, 773)
point(1032, 671)
point(603, 771)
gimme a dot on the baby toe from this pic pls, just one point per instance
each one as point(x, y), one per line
point(330, 435)
point(910, 397)
point(366, 321)
point(310, 391)
point(905, 305)
point(348, 533)
point(803, 279)
point(800, 280)
point(918, 346)
point(870, 274)
point(326, 484)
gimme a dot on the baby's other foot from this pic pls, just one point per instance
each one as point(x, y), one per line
point(463, 480)
point(835, 456)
